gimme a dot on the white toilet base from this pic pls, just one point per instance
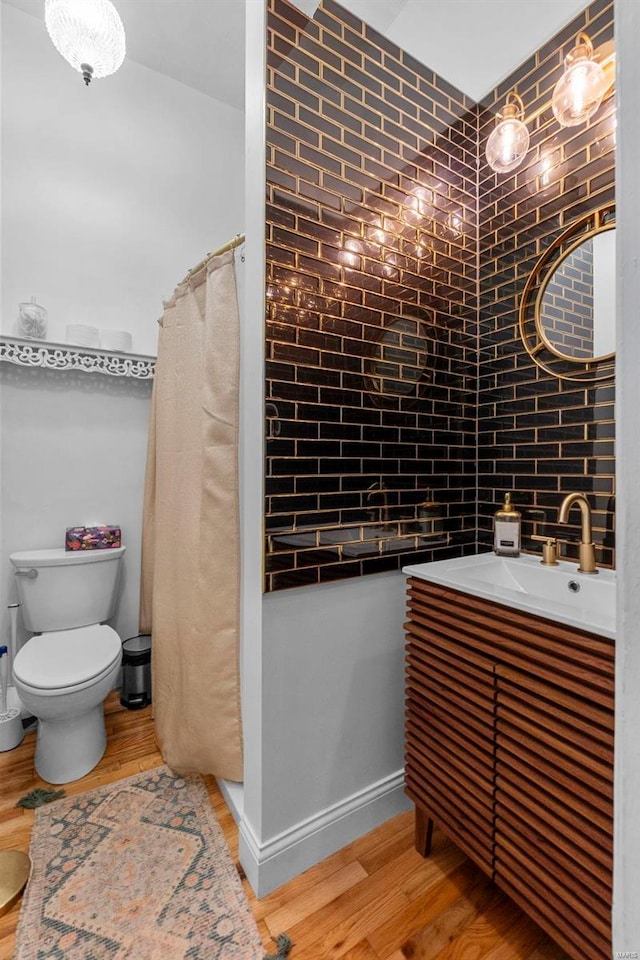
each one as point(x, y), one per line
point(71, 731)
point(69, 747)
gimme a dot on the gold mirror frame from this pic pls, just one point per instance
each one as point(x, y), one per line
point(538, 348)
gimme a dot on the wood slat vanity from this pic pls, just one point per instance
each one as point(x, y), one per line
point(509, 748)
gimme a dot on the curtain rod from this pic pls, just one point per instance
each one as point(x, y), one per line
point(237, 241)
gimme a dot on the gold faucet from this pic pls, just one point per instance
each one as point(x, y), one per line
point(587, 549)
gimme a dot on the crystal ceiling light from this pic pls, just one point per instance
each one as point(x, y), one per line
point(509, 141)
point(579, 92)
point(89, 35)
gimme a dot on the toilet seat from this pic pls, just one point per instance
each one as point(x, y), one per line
point(62, 660)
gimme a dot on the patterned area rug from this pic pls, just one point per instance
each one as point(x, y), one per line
point(136, 869)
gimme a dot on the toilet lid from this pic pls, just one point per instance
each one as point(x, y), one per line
point(64, 658)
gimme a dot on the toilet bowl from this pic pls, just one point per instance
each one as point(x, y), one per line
point(62, 678)
point(65, 671)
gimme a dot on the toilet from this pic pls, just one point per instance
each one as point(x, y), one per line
point(65, 671)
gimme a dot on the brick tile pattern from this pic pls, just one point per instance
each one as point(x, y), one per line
point(372, 296)
point(539, 436)
point(396, 260)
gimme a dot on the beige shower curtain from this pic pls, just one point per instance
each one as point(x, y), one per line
point(190, 544)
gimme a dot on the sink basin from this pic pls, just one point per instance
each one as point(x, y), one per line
point(558, 593)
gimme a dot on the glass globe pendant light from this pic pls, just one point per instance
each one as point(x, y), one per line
point(509, 141)
point(579, 92)
point(89, 35)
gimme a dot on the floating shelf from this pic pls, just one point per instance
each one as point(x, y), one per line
point(65, 356)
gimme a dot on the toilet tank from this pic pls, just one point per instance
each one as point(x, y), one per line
point(61, 589)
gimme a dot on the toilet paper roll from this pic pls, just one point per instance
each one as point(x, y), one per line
point(82, 335)
point(119, 340)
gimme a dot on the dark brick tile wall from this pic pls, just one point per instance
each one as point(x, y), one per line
point(372, 296)
point(395, 268)
point(539, 436)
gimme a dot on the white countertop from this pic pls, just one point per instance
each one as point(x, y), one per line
point(558, 593)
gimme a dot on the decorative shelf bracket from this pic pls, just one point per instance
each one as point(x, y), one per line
point(59, 356)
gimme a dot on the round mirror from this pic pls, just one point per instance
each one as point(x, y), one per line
point(567, 313)
point(577, 313)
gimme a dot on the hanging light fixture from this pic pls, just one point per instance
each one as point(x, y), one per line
point(509, 141)
point(89, 35)
point(579, 92)
point(588, 78)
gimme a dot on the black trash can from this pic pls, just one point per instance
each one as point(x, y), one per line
point(136, 672)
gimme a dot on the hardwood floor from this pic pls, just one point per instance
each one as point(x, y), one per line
point(376, 899)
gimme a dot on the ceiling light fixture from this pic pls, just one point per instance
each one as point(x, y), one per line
point(89, 35)
point(588, 77)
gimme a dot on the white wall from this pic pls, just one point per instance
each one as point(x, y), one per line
point(109, 195)
point(332, 722)
point(626, 887)
point(251, 456)
point(333, 692)
point(112, 192)
point(604, 293)
point(73, 450)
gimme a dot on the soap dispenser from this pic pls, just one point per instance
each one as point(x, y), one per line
point(506, 538)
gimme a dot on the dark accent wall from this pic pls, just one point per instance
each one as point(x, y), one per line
point(395, 267)
point(539, 436)
point(372, 296)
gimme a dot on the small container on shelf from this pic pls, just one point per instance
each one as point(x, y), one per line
point(32, 320)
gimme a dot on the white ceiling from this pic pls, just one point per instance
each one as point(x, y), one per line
point(198, 42)
point(474, 44)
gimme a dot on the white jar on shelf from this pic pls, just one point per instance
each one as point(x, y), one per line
point(119, 341)
point(82, 335)
point(32, 320)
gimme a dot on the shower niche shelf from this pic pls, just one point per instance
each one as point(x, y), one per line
point(65, 356)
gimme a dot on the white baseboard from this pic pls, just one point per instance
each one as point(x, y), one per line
point(270, 863)
point(233, 793)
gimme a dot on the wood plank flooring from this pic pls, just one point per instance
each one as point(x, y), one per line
point(376, 899)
